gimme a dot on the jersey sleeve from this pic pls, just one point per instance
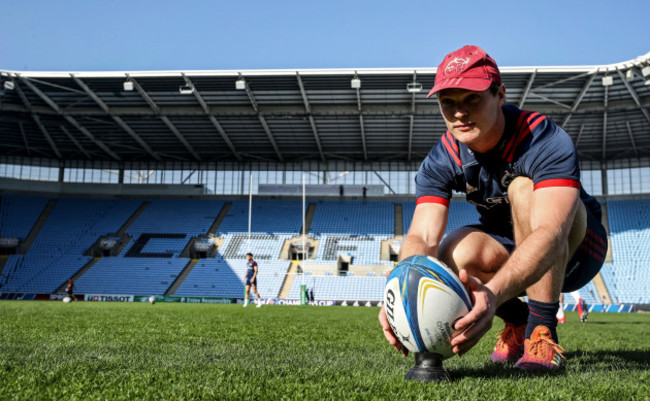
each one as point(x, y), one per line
point(434, 180)
point(552, 160)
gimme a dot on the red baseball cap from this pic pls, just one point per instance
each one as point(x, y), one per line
point(469, 67)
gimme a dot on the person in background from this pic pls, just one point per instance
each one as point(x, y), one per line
point(251, 280)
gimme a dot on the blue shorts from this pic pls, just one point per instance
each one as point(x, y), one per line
point(586, 261)
point(248, 281)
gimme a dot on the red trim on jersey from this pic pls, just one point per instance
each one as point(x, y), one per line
point(433, 199)
point(452, 141)
point(557, 182)
point(512, 140)
point(450, 149)
point(525, 131)
point(531, 122)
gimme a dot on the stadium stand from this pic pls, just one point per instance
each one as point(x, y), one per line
point(628, 277)
point(264, 217)
point(130, 276)
point(352, 227)
point(225, 278)
point(341, 287)
point(18, 213)
point(353, 217)
point(151, 260)
point(57, 253)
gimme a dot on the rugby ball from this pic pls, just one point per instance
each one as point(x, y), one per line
point(423, 299)
point(152, 300)
point(67, 300)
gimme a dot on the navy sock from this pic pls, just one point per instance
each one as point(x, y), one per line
point(513, 311)
point(542, 313)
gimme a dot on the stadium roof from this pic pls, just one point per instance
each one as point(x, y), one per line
point(298, 115)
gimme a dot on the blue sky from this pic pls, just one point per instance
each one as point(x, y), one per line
point(245, 34)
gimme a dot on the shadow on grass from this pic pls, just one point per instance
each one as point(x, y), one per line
point(604, 360)
point(630, 359)
point(496, 371)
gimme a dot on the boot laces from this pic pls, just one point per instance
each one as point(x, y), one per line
point(543, 347)
point(508, 336)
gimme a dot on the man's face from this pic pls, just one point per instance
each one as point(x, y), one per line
point(249, 257)
point(474, 118)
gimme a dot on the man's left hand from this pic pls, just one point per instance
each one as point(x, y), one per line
point(479, 320)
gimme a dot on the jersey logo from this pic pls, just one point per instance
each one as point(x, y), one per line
point(456, 66)
point(507, 179)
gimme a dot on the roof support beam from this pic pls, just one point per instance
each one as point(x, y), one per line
point(22, 132)
point(180, 137)
point(92, 94)
point(527, 90)
point(37, 119)
point(629, 131)
point(361, 125)
point(634, 95)
point(385, 183)
point(115, 118)
point(576, 102)
point(68, 118)
point(92, 137)
point(411, 121)
point(165, 120)
point(74, 140)
point(312, 122)
point(582, 128)
point(213, 119)
point(144, 95)
point(225, 137)
point(40, 94)
point(136, 137)
point(269, 134)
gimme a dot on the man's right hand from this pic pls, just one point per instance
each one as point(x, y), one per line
point(388, 332)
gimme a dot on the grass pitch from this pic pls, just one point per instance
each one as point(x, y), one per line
point(136, 351)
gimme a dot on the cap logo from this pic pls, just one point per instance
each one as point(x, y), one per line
point(456, 66)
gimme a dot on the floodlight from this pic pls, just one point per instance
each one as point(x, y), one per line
point(645, 71)
point(9, 85)
point(240, 84)
point(186, 89)
point(414, 87)
point(355, 83)
point(128, 85)
point(608, 80)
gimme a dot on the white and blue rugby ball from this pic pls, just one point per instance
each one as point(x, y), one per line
point(423, 299)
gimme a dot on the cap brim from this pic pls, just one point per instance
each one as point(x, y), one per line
point(473, 84)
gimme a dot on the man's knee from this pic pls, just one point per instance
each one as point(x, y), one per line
point(474, 251)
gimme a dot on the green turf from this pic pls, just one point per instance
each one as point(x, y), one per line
point(85, 350)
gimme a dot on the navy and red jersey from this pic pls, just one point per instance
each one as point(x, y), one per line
point(251, 265)
point(531, 146)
